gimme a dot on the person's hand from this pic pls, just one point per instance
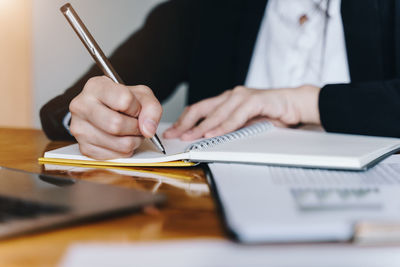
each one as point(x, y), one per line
point(235, 108)
point(109, 120)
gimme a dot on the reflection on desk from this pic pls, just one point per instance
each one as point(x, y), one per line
point(149, 179)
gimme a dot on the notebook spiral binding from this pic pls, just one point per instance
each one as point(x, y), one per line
point(242, 133)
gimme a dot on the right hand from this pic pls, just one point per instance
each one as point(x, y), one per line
point(109, 120)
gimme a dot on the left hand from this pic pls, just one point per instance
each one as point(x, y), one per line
point(234, 108)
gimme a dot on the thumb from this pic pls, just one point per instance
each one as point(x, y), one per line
point(150, 112)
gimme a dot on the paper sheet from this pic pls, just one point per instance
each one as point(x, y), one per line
point(222, 253)
point(280, 204)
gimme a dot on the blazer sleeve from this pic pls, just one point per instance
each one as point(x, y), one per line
point(370, 108)
point(156, 56)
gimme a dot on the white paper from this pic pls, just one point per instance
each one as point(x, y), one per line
point(278, 204)
point(221, 253)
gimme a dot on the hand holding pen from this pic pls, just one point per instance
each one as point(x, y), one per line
point(109, 118)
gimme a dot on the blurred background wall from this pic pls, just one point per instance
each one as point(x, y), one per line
point(42, 56)
point(16, 104)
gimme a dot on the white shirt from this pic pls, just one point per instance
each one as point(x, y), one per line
point(290, 54)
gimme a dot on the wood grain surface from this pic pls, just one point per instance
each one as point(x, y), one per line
point(189, 212)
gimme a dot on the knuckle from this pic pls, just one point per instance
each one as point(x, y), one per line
point(115, 125)
point(74, 105)
point(194, 108)
point(227, 92)
point(221, 114)
point(254, 98)
point(240, 97)
point(125, 100)
point(144, 89)
point(99, 79)
point(239, 89)
point(75, 129)
point(93, 82)
point(255, 103)
point(128, 145)
point(190, 109)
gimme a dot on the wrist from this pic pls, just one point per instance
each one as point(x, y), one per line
point(305, 101)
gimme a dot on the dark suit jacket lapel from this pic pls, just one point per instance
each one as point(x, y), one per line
point(251, 17)
point(361, 23)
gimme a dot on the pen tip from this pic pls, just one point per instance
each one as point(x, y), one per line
point(156, 141)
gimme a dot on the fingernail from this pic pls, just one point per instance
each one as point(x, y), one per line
point(149, 127)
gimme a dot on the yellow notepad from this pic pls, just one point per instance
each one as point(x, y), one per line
point(176, 163)
point(261, 143)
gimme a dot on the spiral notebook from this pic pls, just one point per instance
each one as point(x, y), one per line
point(261, 143)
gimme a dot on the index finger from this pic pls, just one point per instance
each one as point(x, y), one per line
point(117, 97)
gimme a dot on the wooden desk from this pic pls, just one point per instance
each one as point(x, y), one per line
point(186, 214)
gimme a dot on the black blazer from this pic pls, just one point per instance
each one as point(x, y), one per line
point(209, 44)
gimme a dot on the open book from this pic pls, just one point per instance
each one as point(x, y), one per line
point(261, 143)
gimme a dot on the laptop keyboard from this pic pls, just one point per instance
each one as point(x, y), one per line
point(18, 209)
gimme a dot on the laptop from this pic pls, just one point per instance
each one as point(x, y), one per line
point(30, 202)
point(266, 204)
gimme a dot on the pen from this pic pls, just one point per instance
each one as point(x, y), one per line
point(97, 54)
